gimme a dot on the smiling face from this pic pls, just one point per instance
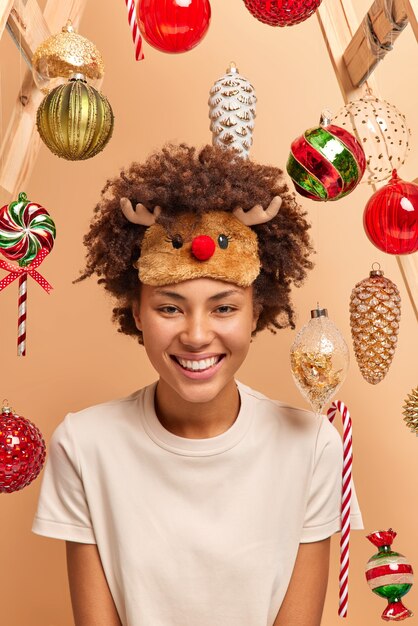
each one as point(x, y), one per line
point(196, 334)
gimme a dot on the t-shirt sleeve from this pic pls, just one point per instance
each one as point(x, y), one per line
point(63, 511)
point(323, 510)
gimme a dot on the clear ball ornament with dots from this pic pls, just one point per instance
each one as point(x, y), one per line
point(381, 130)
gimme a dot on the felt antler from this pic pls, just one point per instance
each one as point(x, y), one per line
point(258, 215)
point(139, 215)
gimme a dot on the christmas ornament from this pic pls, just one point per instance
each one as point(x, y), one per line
point(411, 411)
point(174, 25)
point(390, 218)
point(381, 130)
point(389, 575)
point(135, 32)
point(232, 111)
point(282, 12)
point(319, 359)
point(375, 312)
point(326, 162)
point(75, 121)
point(27, 234)
point(345, 501)
point(22, 451)
point(64, 54)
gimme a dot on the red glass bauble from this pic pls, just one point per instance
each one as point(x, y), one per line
point(22, 451)
point(391, 217)
point(282, 12)
point(173, 25)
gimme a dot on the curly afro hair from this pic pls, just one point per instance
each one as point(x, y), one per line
point(183, 179)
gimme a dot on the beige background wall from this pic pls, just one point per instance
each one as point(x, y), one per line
point(76, 358)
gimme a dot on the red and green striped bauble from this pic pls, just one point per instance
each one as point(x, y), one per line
point(389, 575)
point(26, 228)
point(326, 162)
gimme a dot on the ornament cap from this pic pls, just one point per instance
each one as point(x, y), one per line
point(5, 407)
point(319, 312)
point(232, 68)
point(376, 271)
point(68, 28)
point(78, 76)
point(326, 117)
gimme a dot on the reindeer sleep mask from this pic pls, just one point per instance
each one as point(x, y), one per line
point(216, 244)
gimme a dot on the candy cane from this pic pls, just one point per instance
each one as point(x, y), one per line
point(346, 501)
point(21, 318)
point(133, 23)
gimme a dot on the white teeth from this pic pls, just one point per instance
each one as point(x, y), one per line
point(194, 366)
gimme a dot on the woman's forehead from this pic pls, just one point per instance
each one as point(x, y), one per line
point(197, 289)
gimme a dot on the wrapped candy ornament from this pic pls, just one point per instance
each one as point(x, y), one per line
point(319, 359)
point(326, 162)
point(22, 451)
point(389, 575)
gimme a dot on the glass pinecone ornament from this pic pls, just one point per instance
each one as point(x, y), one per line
point(22, 451)
point(375, 312)
point(232, 111)
point(410, 411)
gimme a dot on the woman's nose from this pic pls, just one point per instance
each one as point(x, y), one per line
point(196, 332)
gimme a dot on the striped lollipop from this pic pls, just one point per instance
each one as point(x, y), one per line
point(389, 575)
point(326, 162)
point(26, 228)
point(27, 234)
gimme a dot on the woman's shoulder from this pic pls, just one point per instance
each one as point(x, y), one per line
point(285, 415)
point(105, 415)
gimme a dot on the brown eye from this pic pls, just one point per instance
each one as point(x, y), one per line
point(177, 241)
point(223, 241)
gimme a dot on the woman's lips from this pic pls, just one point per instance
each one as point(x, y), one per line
point(199, 374)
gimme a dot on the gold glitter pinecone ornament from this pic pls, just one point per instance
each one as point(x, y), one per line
point(411, 411)
point(232, 111)
point(62, 55)
point(374, 317)
point(75, 120)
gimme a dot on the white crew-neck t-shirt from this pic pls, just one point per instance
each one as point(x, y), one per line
point(194, 532)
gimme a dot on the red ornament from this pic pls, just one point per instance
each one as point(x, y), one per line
point(22, 451)
point(203, 247)
point(391, 217)
point(282, 12)
point(174, 25)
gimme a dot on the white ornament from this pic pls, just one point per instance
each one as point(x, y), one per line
point(232, 111)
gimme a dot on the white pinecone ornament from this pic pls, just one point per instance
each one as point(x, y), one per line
point(411, 411)
point(232, 111)
point(374, 317)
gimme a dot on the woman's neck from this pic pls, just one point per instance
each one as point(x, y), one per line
point(197, 420)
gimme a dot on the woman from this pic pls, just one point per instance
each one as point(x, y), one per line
point(203, 502)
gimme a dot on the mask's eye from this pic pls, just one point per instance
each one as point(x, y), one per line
point(177, 241)
point(223, 241)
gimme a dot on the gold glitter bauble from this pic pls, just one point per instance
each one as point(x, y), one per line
point(64, 54)
point(374, 317)
point(319, 359)
point(232, 111)
point(75, 120)
point(411, 411)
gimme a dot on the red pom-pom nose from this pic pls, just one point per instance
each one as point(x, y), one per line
point(203, 247)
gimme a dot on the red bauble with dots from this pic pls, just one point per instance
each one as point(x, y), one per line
point(22, 451)
point(173, 25)
point(282, 12)
point(391, 217)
